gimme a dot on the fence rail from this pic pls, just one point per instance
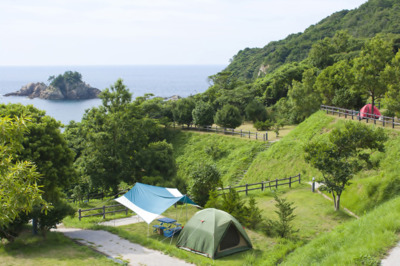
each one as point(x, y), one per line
point(230, 131)
point(266, 184)
point(100, 195)
point(385, 120)
point(103, 213)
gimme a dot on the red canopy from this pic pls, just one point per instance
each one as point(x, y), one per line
point(366, 111)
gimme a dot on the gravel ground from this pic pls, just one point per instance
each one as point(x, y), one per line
point(119, 248)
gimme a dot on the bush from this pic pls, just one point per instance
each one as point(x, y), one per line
point(203, 180)
point(203, 114)
point(266, 125)
point(255, 111)
point(228, 117)
point(249, 216)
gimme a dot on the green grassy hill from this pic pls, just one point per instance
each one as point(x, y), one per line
point(286, 158)
point(232, 156)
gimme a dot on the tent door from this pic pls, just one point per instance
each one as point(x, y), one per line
point(231, 238)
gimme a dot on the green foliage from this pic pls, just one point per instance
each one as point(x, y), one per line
point(370, 65)
point(68, 78)
point(118, 141)
point(204, 179)
point(228, 117)
point(255, 111)
point(392, 77)
point(283, 227)
point(372, 17)
point(19, 191)
point(266, 125)
point(249, 216)
point(343, 154)
point(183, 111)
point(203, 114)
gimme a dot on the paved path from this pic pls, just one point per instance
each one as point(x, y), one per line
point(119, 248)
point(393, 259)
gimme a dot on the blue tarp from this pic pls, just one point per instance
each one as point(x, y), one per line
point(150, 201)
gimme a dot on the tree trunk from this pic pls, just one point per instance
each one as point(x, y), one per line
point(334, 199)
point(337, 204)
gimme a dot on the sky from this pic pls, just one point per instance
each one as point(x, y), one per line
point(149, 32)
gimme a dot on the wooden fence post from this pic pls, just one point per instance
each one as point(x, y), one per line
point(262, 186)
point(299, 178)
point(392, 122)
point(246, 188)
point(233, 131)
point(256, 136)
point(276, 183)
point(104, 212)
point(290, 182)
point(80, 214)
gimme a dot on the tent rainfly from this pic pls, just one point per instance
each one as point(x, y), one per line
point(366, 111)
point(150, 201)
point(213, 233)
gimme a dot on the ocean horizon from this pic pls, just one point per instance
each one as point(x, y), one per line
point(160, 80)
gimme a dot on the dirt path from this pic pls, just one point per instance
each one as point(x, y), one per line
point(119, 248)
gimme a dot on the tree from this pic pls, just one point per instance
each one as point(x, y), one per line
point(229, 117)
point(285, 214)
point(203, 114)
point(369, 68)
point(183, 111)
point(255, 111)
point(19, 190)
point(392, 96)
point(344, 153)
point(203, 180)
point(45, 146)
point(303, 97)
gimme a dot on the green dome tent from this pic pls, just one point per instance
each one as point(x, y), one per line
point(213, 233)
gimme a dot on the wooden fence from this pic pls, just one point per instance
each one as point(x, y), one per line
point(103, 213)
point(230, 131)
point(346, 113)
point(100, 195)
point(266, 184)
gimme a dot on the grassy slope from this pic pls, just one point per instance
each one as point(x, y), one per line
point(368, 189)
point(236, 154)
point(360, 242)
point(286, 157)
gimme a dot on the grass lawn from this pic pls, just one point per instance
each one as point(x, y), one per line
point(56, 249)
point(315, 215)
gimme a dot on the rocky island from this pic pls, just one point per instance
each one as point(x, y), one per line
point(68, 86)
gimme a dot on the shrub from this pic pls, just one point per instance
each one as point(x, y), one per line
point(266, 125)
point(228, 117)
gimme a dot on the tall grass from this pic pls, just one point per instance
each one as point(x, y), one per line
point(359, 242)
point(232, 156)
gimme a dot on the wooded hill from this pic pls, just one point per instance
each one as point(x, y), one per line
point(371, 18)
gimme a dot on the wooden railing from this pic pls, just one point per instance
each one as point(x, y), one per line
point(103, 213)
point(266, 184)
point(230, 131)
point(346, 113)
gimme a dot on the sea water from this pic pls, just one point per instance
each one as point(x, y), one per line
point(163, 81)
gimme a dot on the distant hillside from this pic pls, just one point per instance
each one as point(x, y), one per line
point(375, 16)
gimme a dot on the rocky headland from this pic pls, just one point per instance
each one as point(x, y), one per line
point(62, 88)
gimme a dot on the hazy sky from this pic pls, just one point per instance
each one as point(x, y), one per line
point(151, 32)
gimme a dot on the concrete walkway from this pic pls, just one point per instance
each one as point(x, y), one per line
point(119, 248)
